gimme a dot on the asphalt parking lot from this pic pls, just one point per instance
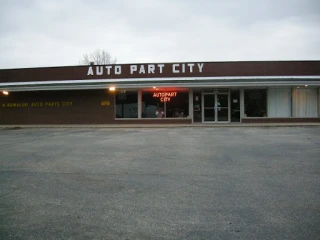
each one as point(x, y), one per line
point(160, 183)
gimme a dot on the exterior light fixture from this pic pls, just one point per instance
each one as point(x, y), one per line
point(112, 88)
point(298, 87)
point(306, 85)
point(154, 87)
point(5, 92)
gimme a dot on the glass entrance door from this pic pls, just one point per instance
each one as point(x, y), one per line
point(209, 108)
point(216, 107)
point(222, 107)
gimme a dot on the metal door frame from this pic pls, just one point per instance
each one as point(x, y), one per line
point(215, 94)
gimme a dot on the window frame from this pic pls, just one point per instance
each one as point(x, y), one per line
point(165, 106)
point(115, 104)
point(266, 101)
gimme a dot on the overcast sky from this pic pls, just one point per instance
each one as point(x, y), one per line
point(36, 33)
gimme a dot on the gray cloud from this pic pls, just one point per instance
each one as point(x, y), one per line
point(52, 33)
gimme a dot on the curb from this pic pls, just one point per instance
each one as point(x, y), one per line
point(203, 125)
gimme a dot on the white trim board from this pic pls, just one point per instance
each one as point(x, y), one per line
point(160, 80)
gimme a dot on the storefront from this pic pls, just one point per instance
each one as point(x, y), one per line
point(206, 92)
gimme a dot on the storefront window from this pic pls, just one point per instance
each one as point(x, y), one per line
point(178, 106)
point(165, 104)
point(126, 104)
point(152, 107)
point(255, 102)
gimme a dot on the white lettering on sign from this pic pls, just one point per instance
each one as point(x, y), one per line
point(141, 69)
point(175, 68)
point(99, 70)
point(150, 68)
point(117, 70)
point(160, 66)
point(200, 66)
point(90, 71)
point(108, 69)
point(190, 65)
point(133, 68)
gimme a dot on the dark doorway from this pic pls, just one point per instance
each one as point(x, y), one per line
point(235, 105)
point(197, 116)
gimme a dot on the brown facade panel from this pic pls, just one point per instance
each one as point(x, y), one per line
point(209, 69)
point(57, 107)
point(155, 121)
point(66, 107)
point(280, 120)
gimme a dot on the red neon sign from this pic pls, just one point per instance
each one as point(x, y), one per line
point(164, 96)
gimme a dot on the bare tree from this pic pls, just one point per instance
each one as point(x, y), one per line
point(97, 57)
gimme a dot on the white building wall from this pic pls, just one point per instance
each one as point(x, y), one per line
point(191, 103)
point(279, 102)
point(318, 102)
point(305, 102)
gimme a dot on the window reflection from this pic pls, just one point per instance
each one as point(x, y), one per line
point(126, 104)
point(156, 106)
point(178, 107)
point(152, 107)
point(255, 102)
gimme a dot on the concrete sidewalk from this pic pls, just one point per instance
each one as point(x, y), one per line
point(201, 125)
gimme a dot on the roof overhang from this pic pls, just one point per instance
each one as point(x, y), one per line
point(255, 81)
